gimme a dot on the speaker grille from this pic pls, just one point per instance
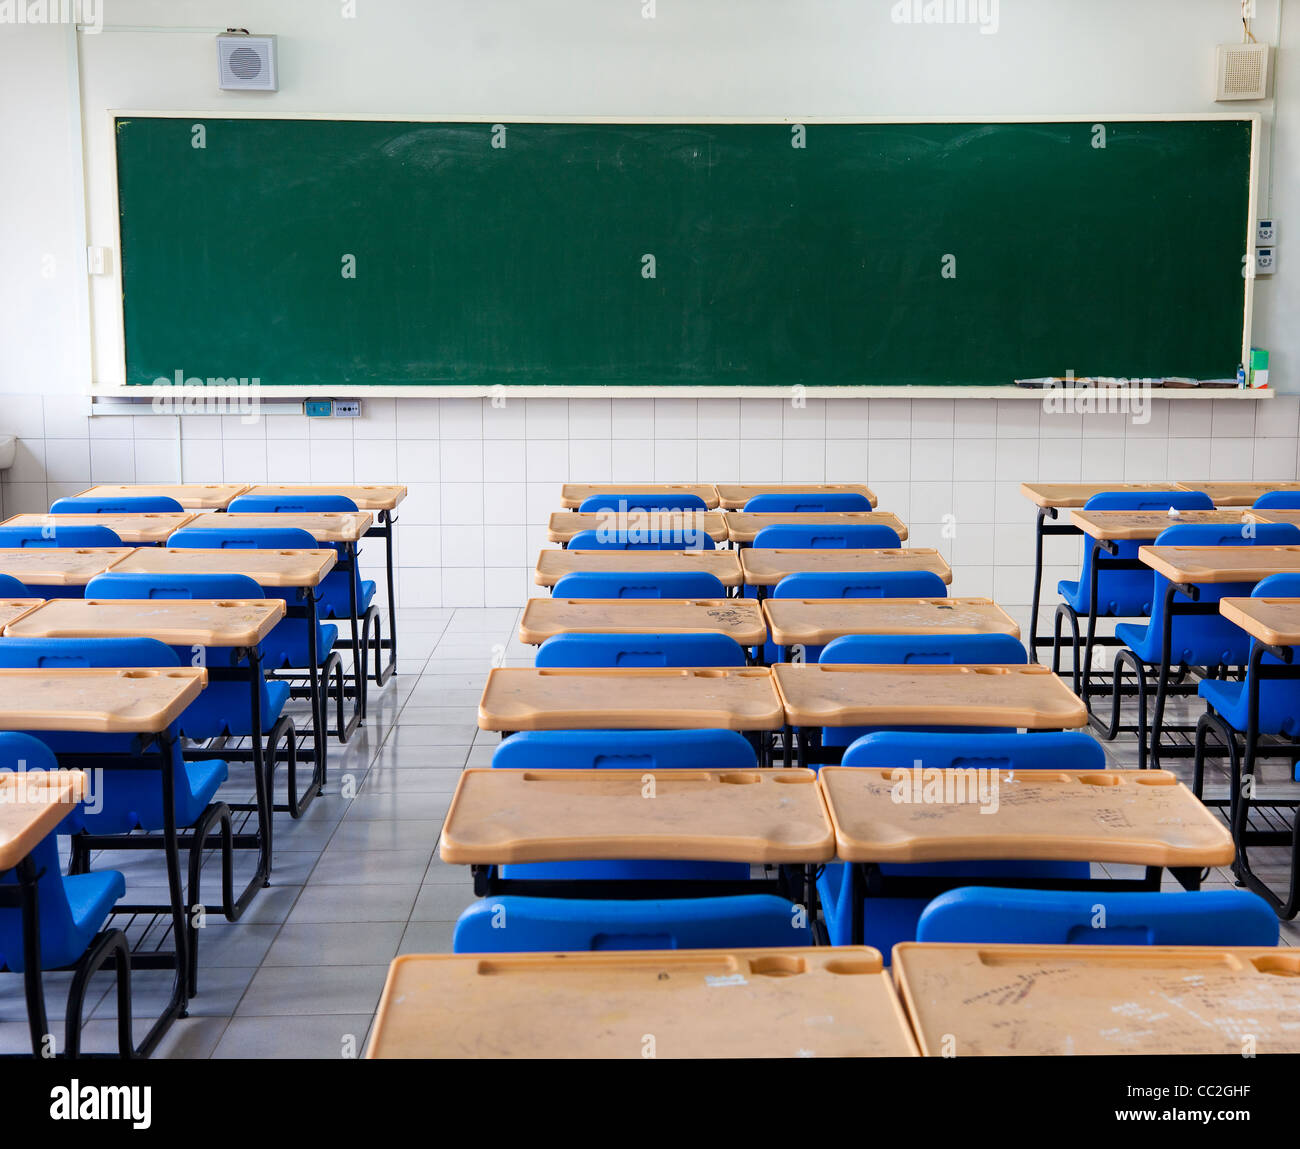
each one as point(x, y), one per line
point(246, 63)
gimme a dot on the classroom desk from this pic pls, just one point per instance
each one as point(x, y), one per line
point(383, 498)
point(323, 526)
point(344, 530)
point(1105, 530)
point(573, 494)
point(296, 570)
point(761, 817)
point(146, 528)
point(31, 806)
point(743, 526)
point(526, 698)
point(191, 496)
point(196, 623)
point(975, 1000)
point(1271, 515)
point(694, 1003)
point(819, 694)
point(1236, 494)
point(563, 525)
point(816, 621)
point(734, 496)
point(12, 609)
point(1186, 568)
point(741, 619)
point(902, 816)
point(553, 563)
point(764, 567)
point(1050, 499)
point(143, 702)
point(1274, 624)
point(59, 566)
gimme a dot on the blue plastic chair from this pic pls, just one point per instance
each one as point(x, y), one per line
point(891, 920)
point(808, 502)
point(120, 505)
point(917, 649)
point(72, 911)
point(647, 540)
point(861, 584)
point(661, 502)
point(1202, 640)
point(1279, 501)
point(856, 536)
point(333, 591)
point(625, 750)
point(10, 587)
point(73, 535)
point(577, 650)
point(222, 708)
point(286, 646)
point(1066, 917)
point(1124, 593)
point(642, 584)
point(516, 924)
point(132, 799)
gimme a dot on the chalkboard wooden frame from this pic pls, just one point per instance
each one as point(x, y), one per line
point(116, 388)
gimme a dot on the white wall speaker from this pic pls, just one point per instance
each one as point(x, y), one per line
point(1242, 72)
point(246, 63)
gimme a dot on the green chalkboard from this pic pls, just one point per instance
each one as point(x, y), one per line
point(824, 264)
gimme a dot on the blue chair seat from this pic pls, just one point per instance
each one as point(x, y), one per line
point(1214, 640)
point(333, 596)
point(1279, 703)
point(625, 750)
point(1127, 593)
point(286, 645)
point(223, 708)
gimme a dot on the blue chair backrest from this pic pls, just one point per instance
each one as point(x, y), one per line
point(857, 536)
point(890, 749)
point(65, 653)
point(253, 538)
point(861, 584)
point(642, 584)
point(119, 505)
point(190, 586)
point(619, 502)
point(289, 504)
point(61, 942)
point(1070, 917)
point(690, 539)
point(1149, 501)
point(10, 587)
point(808, 502)
point(72, 535)
point(577, 650)
point(625, 750)
point(1278, 586)
point(925, 648)
point(514, 924)
point(1229, 535)
point(1279, 501)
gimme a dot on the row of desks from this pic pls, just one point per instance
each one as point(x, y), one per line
point(941, 1001)
point(76, 566)
point(218, 496)
point(728, 496)
point(150, 528)
point(788, 621)
point(751, 567)
point(739, 527)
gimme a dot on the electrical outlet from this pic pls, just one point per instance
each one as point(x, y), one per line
point(1265, 261)
point(316, 408)
point(1265, 232)
point(347, 408)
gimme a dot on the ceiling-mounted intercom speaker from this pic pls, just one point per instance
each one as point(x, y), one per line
point(1242, 72)
point(246, 63)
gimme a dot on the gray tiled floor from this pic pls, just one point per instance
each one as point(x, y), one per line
point(357, 880)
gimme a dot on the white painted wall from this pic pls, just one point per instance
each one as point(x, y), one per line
point(482, 479)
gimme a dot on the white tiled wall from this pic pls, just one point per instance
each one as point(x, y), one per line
point(484, 479)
